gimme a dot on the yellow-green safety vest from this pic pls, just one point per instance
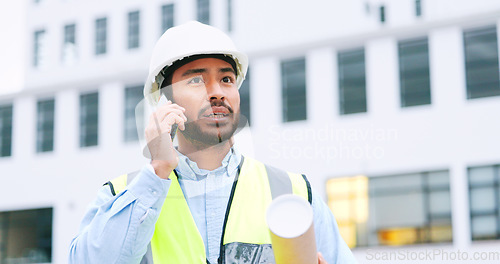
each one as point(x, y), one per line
point(245, 235)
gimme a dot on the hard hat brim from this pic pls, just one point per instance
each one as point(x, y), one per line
point(154, 79)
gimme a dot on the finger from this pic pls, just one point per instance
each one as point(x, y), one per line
point(156, 127)
point(173, 105)
point(321, 259)
point(176, 105)
point(172, 119)
point(157, 123)
point(181, 124)
point(165, 112)
point(164, 108)
point(184, 116)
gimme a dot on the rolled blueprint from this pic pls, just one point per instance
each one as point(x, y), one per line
point(290, 221)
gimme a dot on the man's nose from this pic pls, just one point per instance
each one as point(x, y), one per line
point(214, 90)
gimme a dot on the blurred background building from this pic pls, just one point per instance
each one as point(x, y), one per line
point(391, 107)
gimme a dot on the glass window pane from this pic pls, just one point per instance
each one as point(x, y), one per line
point(379, 185)
point(482, 175)
point(481, 62)
point(382, 14)
point(69, 44)
point(441, 233)
point(5, 130)
point(398, 210)
point(348, 199)
point(229, 15)
point(418, 8)
point(203, 14)
point(45, 125)
point(100, 36)
point(484, 227)
point(39, 48)
point(352, 81)
point(245, 98)
point(133, 96)
point(482, 199)
point(403, 210)
point(26, 236)
point(439, 202)
point(438, 179)
point(89, 129)
point(294, 90)
point(414, 72)
point(342, 209)
point(133, 30)
point(167, 17)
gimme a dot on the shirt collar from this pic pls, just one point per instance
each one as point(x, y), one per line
point(189, 170)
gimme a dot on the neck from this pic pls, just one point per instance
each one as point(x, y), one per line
point(206, 157)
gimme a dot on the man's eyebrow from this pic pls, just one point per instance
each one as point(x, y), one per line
point(193, 71)
point(227, 70)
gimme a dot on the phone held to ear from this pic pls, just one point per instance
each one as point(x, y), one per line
point(163, 100)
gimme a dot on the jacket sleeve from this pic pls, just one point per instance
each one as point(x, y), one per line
point(328, 239)
point(118, 229)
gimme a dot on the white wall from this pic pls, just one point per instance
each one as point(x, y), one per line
point(14, 45)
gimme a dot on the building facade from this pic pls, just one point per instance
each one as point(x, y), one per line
point(390, 107)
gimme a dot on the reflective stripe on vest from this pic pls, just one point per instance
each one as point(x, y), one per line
point(245, 233)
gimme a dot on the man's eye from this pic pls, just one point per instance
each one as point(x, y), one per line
point(227, 79)
point(196, 80)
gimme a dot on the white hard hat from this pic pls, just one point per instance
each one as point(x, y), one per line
point(192, 38)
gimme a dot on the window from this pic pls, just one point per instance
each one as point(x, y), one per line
point(293, 74)
point(481, 62)
point(89, 117)
point(101, 35)
point(133, 95)
point(229, 15)
point(348, 199)
point(26, 236)
point(133, 30)
point(5, 130)
point(167, 17)
point(39, 48)
point(352, 81)
point(418, 8)
point(69, 44)
point(245, 98)
point(203, 14)
point(392, 210)
point(382, 14)
point(415, 82)
point(484, 201)
point(45, 125)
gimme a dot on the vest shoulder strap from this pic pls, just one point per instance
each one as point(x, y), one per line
point(118, 184)
point(279, 181)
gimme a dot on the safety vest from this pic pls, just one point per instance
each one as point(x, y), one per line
point(245, 235)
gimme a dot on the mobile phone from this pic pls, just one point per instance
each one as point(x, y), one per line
point(163, 100)
point(173, 131)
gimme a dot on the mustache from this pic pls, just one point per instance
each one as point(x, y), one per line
point(215, 103)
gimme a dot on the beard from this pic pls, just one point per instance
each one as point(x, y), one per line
point(209, 135)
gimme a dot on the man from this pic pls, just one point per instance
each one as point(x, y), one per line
point(203, 202)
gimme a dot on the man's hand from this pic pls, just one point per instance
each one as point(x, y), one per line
point(321, 260)
point(163, 156)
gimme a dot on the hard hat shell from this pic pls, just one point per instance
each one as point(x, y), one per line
point(191, 38)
